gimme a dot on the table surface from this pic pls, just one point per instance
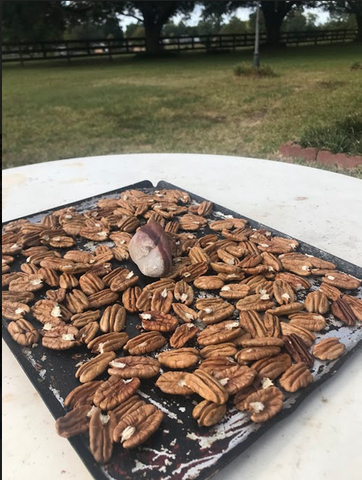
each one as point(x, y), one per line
point(322, 438)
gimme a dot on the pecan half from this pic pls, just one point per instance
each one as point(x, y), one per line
point(130, 405)
point(342, 310)
point(95, 367)
point(263, 342)
point(159, 322)
point(74, 422)
point(219, 367)
point(68, 281)
point(174, 383)
point(329, 349)
point(162, 300)
point(297, 376)
point(219, 333)
point(257, 302)
point(103, 298)
point(332, 293)
point(113, 318)
point(136, 427)
point(183, 334)
point(355, 305)
point(253, 324)
point(341, 280)
point(192, 222)
point(80, 320)
point(283, 292)
point(297, 349)
point(48, 311)
point(23, 332)
point(76, 301)
point(185, 313)
point(220, 350)
point(272, 325)
point(198, 255)
point(310, 321)
point(57, 296)
point(123, 280)
point(134, 366)
point(88, 332)
point(130, 297)
point(23, 297)
point(287, 309)
point(26, 283)
point(101, 428)
point(145, 343)
point(215, 313)
point(272, 367)
point(60, 337)
point(114, 391)
point(256, 353)
point(179, 358)
point(184, 293)
point(234, 291)
point(191, 272)
point(82, 395)
point(90, 283)
point(239, 379)
point(14, 310)
point(316, 302)
point(296, 282)
point(109, 342)
point(206, 386)
point(208, 413)
point(306, 335)
point(264, 404)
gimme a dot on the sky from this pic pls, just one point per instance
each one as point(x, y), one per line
point(242, 13)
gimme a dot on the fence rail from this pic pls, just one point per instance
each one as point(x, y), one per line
point(22, 52)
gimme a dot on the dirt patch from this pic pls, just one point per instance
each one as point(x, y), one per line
point(331, 84)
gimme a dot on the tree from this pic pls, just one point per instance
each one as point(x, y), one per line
point(235, 25)
point(32, 21)
point(350, 7)
point(274, 14)
point(153, 15)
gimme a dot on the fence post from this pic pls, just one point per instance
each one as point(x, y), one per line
point(193, 43)
point(68, 55)
point(110, 49)
point(21, 55)
point(88, 48)
point(44, 51)
point(127, 45)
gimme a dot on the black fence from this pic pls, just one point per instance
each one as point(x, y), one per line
point(23, 52)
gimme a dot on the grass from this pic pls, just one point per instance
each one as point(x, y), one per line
point(344, 136)
point(192, 103)
point(248, 70)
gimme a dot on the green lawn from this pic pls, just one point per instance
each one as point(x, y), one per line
point(191, 103)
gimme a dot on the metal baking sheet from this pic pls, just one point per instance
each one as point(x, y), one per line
point(180, 450)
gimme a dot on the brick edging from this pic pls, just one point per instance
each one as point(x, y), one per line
point(310, 154)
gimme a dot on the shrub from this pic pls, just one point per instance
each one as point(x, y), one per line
point(250, 71)
point(356, 66)
point(344, 136)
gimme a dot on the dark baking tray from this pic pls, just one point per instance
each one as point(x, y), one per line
point(180, 449)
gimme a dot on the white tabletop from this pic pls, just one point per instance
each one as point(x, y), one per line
point(323, 437)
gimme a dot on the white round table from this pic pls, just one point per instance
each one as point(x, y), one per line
point(323, 437)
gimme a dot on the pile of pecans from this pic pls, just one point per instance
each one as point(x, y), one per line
point(228, 321)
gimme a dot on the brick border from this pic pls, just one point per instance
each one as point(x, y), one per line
point(342, 160)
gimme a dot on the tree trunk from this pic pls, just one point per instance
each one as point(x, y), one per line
point(359, 27)
point(153, 35)
point(274, 14)
point(273, 26)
